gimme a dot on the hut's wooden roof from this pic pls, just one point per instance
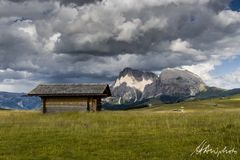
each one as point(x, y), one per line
point(71, 89)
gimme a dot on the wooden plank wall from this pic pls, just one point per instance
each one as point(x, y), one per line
point(63, 104)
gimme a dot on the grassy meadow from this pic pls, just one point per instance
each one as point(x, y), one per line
point(154, 133)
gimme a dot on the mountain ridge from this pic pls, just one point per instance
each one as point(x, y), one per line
point(135, 88)
point(19, 101)
point(134, 85)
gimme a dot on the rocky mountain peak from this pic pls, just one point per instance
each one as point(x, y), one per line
point(175, 82)
point(130, 84)
point(178, 74)
point(137, 74)
point(133, 85)
point(134, 78)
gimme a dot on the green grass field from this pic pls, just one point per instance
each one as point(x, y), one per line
point(154, 133)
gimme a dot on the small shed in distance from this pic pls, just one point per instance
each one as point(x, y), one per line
point(71, 97)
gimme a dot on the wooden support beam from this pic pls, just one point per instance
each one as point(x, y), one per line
point(88, 106)
point(44, 105)
point(99, 104)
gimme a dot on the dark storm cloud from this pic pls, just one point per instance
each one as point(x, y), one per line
point(65, 2)
point(219, 5)
point(78, 78)
point(142, 32)
point(87, 41)
point(16, 48)
point(78, 2)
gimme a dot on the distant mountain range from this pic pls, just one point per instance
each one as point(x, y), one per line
point(19, 101)
point(135, 88)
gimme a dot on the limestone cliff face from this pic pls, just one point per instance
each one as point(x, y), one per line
point(134, 85)
point(130, 85)
point(175, 82)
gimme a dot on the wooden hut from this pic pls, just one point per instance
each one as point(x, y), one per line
point(71, 97)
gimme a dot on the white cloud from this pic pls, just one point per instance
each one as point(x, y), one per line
point(18, 86)
point(205, 71)
point(202, 70)
point(155, 23)
point(185, 47)
point(54, 42)
point(229, 80)
point(128, 30)
point(31, 30)
point(51, 42)
point(228, 17)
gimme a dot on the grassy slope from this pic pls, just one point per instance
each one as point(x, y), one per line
point(216, 104)
point(153, 133)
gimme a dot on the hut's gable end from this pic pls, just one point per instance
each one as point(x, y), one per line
point(107, 91)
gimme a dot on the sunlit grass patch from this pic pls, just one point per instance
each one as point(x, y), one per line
point(156, 132)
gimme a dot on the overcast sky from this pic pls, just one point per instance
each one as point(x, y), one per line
point(92, 41)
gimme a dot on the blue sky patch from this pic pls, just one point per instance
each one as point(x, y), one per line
point(227, 66)
point(235, 5)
